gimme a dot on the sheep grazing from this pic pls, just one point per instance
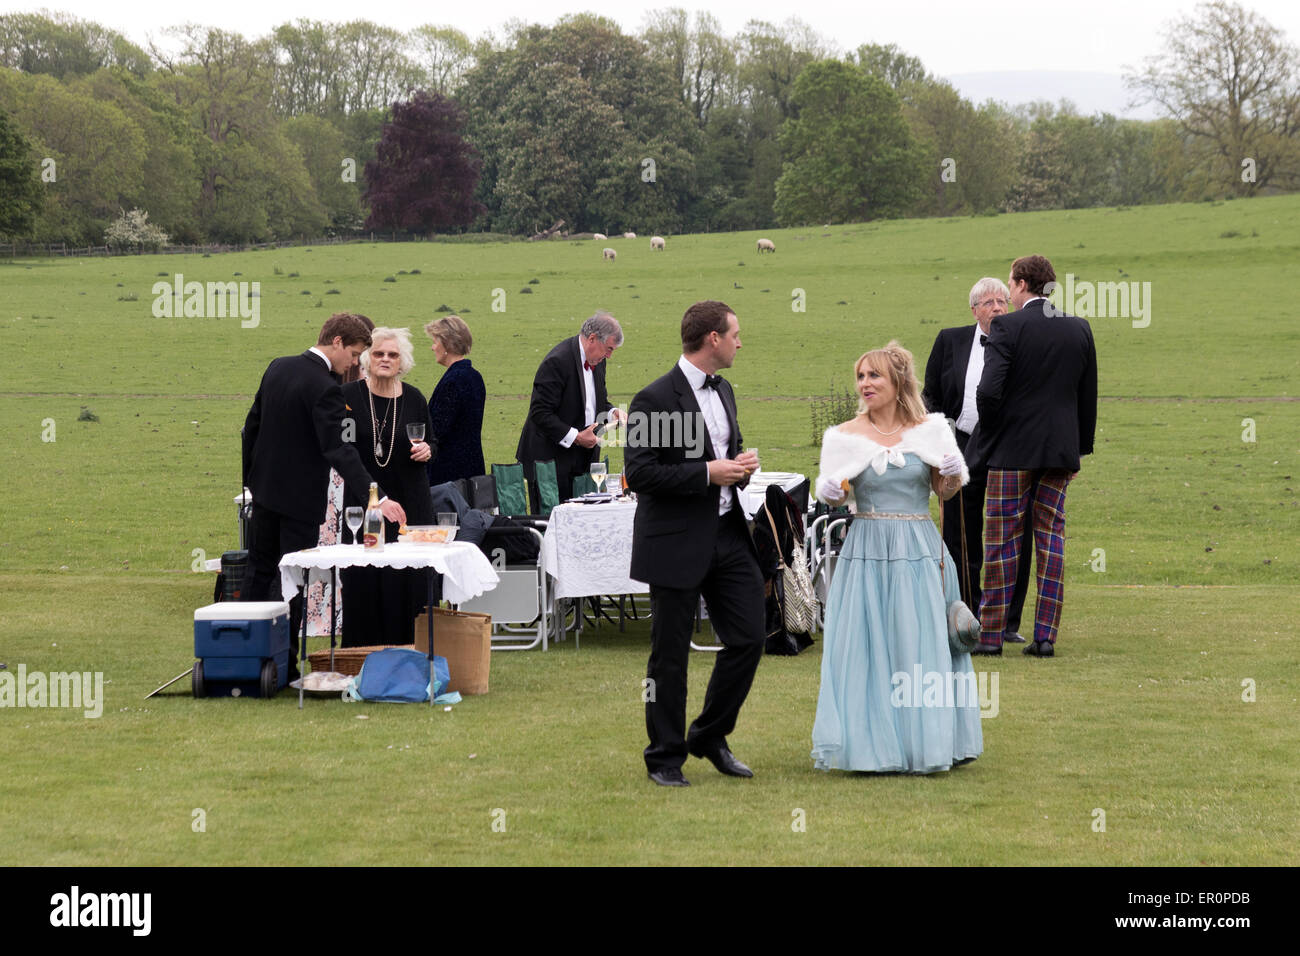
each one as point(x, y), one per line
point(629, 235)
point(600, 235)
point(657, 242)
point(766, 245)
point(609, 253)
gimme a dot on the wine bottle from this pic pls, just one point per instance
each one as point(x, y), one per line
point(373, 535)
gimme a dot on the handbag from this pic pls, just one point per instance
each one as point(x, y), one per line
point(963, 625)
point(798, 600)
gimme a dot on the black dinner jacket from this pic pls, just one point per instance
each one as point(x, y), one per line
point(293, 436)
point(557, 404)
point(677, 508)
point(945, 372)
point(1038, 395)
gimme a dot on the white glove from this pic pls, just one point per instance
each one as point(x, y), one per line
point(951, 465)
point(830, 491)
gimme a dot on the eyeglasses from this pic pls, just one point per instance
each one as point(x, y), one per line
point(989, 302)
point(385, 354)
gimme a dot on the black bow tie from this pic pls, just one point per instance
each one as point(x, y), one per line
point(984, 340)
point(711, 381)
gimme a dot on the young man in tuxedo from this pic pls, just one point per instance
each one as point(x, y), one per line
point(569, 401)
point(1037, 402)
point(690, 539)
point(951, 377)
point(292, 437)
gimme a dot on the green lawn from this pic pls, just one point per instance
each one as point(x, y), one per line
point(1181, 558)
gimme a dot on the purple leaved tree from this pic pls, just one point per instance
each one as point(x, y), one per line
point(424, 173)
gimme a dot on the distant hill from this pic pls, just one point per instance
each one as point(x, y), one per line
point(1090, 92)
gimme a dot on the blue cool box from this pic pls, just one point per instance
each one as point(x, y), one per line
point(234, 638)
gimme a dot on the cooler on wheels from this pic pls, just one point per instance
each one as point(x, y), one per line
point(242, 648)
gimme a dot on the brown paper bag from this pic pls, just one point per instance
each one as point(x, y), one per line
point(465, 639)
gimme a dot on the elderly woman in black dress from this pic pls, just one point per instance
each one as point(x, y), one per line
point(456, 408)
point(380, 605)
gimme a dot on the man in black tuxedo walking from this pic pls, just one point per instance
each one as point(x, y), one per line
point(951, 377)
point(1037, 401)
point(690, 539)
point(292, 437)
point(568, 403)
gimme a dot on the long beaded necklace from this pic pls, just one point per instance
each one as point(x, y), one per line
point(379, 428)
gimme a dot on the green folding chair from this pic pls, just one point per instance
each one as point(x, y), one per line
point(512, 493)
point(548, 488)
point(582, 484)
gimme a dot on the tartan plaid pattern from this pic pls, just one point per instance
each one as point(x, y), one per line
point(1011, 497)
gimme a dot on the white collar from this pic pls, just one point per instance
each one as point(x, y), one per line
point(694, 376)
point(323, 357)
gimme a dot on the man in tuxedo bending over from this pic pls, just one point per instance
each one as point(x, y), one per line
point(690, 538)
point(951, 377)
point(292, 437)
point(569, 401)
point(1037, 401)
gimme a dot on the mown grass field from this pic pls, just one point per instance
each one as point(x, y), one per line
point(1182, 562)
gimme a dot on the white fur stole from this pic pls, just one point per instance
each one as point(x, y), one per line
point(846, 455)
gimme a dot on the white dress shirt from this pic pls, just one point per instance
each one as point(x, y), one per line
point(969, 416)
point(589, 398)
point(715, 420)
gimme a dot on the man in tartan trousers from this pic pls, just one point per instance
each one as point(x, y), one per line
point(1037, 401)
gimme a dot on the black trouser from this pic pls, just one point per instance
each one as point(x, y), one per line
point(971, 500)
point(271, 536)
point(733, 593)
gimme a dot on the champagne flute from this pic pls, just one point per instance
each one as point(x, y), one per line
point(598, 470)
point(354, 516)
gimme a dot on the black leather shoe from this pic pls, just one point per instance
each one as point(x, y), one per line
point(1011, 637)
point(669, 777)
point(1039, 649)
point(726, 762)
point(987, 649)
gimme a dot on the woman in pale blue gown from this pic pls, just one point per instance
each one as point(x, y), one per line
point(894, 697)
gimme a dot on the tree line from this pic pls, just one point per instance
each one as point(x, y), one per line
point(328, 128)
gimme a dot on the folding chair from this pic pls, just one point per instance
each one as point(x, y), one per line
point(511, 492)
point(520, 603)
point(482, 493)
point(582, 484)
point(548, 488)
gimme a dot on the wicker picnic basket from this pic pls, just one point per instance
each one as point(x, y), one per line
point(347, 660)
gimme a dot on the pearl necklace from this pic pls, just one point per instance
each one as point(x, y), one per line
point(378, 428)
point(877, 427)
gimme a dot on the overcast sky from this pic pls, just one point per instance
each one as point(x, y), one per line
point(949, 36)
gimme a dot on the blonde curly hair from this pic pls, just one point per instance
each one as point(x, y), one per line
point(895, 363)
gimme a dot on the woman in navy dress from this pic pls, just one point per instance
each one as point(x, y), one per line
point(456, 406)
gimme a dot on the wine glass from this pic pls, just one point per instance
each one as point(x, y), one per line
point(415, 431)
point(354, 515)
point(598, 470)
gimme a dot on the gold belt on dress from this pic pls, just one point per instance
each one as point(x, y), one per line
point(891, 515)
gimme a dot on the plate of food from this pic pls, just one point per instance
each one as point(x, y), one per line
point(427, 534)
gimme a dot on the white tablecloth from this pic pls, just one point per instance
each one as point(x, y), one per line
point(466, 572)
point(588, 549)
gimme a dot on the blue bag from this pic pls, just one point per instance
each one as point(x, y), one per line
point(400, 675)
